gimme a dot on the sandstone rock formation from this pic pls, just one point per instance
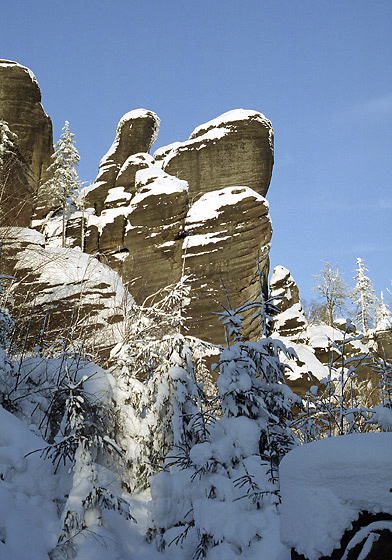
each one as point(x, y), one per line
point(291, 320)
point(316, 344)
point(20, 107)
point(153, 219)
point(225, 232)
point(236, 148)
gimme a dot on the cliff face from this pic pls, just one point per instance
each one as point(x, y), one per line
point(20, 107)
point(195, 207)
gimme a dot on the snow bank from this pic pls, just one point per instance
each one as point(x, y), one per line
point(162, 183)
point(325, 484)
point(20, 235)
point(29, 524)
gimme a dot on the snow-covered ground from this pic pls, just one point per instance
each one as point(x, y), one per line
point(327, 483)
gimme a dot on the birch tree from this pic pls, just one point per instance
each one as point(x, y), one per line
point(331, 286)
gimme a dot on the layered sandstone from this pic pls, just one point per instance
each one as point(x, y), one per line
point(226, 230)
point(153, 219)
point(136, 132)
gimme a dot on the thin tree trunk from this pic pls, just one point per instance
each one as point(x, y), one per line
point(64, 208)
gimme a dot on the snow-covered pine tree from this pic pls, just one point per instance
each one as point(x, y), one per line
point(159, 401)
point(383, 320)
point(216, 497)
point(63, 186)
point(364, 298)
point(8, 139)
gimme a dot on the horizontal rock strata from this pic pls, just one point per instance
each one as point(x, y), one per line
point(226, 231)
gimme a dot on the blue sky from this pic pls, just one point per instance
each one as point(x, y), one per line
point(320, 70)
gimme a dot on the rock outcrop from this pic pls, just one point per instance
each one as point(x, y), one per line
point(153, 219)
point(317, 344)
point(63, 294)
point(234, 149)
point(20, 107)
point(290, 320)
point(225, 232)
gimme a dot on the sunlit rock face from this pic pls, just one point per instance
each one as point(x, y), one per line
point(290, 321)
point(236, 148)
point(194, 208)
point(20, 107)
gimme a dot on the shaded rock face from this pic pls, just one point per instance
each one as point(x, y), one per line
point(20, 107)
point(233, 149)
point(71, 293)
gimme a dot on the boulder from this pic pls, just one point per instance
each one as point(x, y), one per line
point(20, 107)
point(233, 149)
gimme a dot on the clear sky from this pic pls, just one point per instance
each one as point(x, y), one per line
point(320, 70)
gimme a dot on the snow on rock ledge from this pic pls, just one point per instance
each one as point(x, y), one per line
point(327, 483)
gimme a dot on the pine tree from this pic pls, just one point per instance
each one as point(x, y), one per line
point(63, 186)
point(364, 298)
point(332, 288)
point(160, 400)
point(8, 141)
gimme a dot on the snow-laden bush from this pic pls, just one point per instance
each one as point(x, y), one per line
point(217, 497)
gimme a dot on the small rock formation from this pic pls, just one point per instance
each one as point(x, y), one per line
point(291, 320)
point(153, 219)
point(313, 342)
point(236, 148)
point(20, 107)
